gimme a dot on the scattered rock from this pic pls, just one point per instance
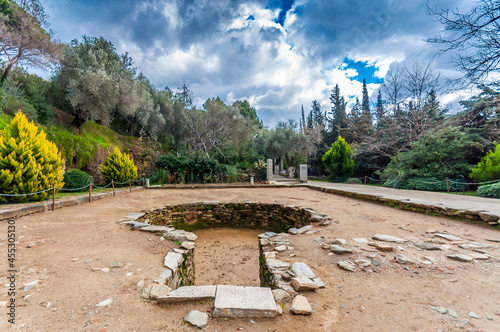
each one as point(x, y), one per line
point(280, 248)
point(441, 310)
point(319, 282)
point(312, 232)
point(427, 246)
point(137, 225)
point(172, 260)
point(481, 257)
point(288, 275)
point(140, 284)
point(293, 231)
point(158, 290)
point(339, 250)
point(29, 285)
point(156, 229)
point(276, 265)
point(460, 257)
point(180, 235)
point(197, 318)
point(362, 262)
point(340, 242)
point(347, 265)
point(452, 313)
point(115, 265)
point(318, 239)
point(324, 223)
point(493, 240)
point(87, 261)
point(475, 245)
point(384, 247)
point(388, 238)
point(301, 306)
point(280, 295)
point(105, 269)
point(361, 240)
point(180, 251)
point(448, 237)
point(304, 229)
point(402, 259)
point(105, 303)
point(473, 315)
point(146, 291)
point(304, 284)
point(301, 270)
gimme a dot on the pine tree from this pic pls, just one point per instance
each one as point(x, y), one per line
point(338, 121)
point(366, 115)
point(380, 110)
point(317, 114)
point(29, 163)
point(303, 119)
point(338, 160)
point(354, 133)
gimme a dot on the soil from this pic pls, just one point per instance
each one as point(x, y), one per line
point(65, 251)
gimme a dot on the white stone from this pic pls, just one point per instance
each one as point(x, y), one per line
point(280, 295)
point(460, 258)
point(156, 229)
point(188, 245)
point(180, 235)
point(173, 260)
point(280, 248)
point(105, 303)
point(304, 284)
point(319, 282)
point(197, 318)
point(301, 270)
point(448, 237)
point(305, 229)
point(241, 301)
point(276, 265)
point(301, 306)
point(361, 240)
point(388, 238)
point(190, 293)
point(158, 291)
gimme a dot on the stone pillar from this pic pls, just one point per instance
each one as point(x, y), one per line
point(303, 173)
point(269, 170)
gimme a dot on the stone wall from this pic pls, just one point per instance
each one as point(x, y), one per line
point(200, 215)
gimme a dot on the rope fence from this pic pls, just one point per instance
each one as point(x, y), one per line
point(90, 185)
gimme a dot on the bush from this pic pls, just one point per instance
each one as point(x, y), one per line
point(28, 161)
point(196, 169)
point(74, 178)
point(489, 190)
point(488, 168)
point(233, 175)
point(118, 167)
point(353, 181)
point(338, 160)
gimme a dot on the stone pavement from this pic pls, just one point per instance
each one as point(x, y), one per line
point(450, 201)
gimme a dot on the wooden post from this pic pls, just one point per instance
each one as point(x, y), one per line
point(113, 185)
point(90, 192)
point(130, 185)
point(447, 185)
point(365, 179)
point(54, 197)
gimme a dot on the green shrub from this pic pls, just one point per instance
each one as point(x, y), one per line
point(192, 170)
point(29, 163)
point(488, 168)
point(338, 160)
point(353, 181)
point(489, 190)
point(233, 175)
point(160, 176)
point(118, 167)
point(75, 178)
point(13, 105)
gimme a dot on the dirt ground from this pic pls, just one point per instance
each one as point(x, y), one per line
point(66, 250)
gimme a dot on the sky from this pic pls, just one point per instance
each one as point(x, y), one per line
point(277, 54)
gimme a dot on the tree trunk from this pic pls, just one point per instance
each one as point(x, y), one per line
point(80, 118)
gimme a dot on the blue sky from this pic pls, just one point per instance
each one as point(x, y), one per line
point(277, 54)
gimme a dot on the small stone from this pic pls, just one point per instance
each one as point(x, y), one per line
point(105, 303)
point(388, 238)
point(493, 240)
point(87, 261)
point(481, 257)
point(146, 291)
point(115, 265)
point(473, 315)
point(399, 248)
point(347, 265)
point(276, 265)
point(197, 318)
point(375, 262)
point(188, 245)
point(140, 284)
point(158, 290)
point(156, 229)
point(339, 250)
point(325, 246)
point(301, 270)
point(339, 242)
point(361, 240)
point(448, 237)
point(180, 251)
point(402, 259)
point(180, 235)
point(288, 275)
point(304, 284)
point(384, 247)
point(301, 306)
point(312, 232)
point(318, 239)
point(270, 254)
point(293, 231)
point(362, 262)
point(173, 260)
point(280, 248)
point(427, 246)
point(324, 223)
point(319, 282)
point(441, 310)
point(452, 313)
point(304, 229)
point(105, 269)
point(280, 295)
point(476, 245)
point(460, 257)
point(279, 309)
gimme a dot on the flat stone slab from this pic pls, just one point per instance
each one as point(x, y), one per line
point(475, 245)
point(388, 238)
point(460, 258)
point(304, 229)
point(136, 225)
point(301, 270)
point(276, 265)
point(301, 306)
point(172, 261)
point(134, 216)
point(156, 229)
point(190, 293)
point(427, 246)
point(180, 235)
point(448, 237)
point(197, 318)
point(241, 301)
point(339, 250)
point(304, 284)
point(347, 265)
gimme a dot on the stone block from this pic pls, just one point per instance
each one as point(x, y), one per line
point(301, 270)
point(190, 293)
point(173, 260)
point(304, 284)
point(241, 301)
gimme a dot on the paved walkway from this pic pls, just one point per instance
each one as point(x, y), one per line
point(453, 201)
